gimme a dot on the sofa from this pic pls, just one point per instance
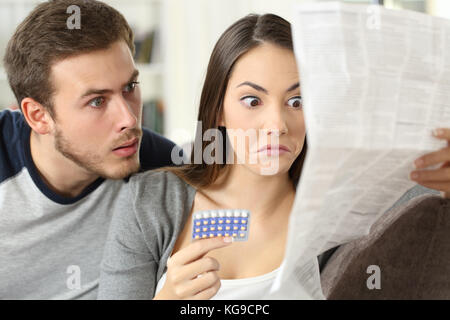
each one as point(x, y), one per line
point(405, 256)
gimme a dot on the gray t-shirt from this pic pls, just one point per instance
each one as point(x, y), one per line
point(49, 250)
point(143, 233)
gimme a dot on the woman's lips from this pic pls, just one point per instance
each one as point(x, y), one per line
point(272, 150)
point(128, 149)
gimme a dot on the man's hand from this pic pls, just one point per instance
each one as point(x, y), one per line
point(438, 179)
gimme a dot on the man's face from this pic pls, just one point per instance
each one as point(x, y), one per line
point(98, 108)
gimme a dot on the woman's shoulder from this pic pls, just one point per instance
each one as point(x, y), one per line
point(157, 179)
point(160, 191)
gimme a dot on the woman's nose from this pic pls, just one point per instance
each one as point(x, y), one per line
point(276, 122)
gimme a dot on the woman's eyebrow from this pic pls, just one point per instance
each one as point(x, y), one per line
point(293, 87)
point(254, 86)
point(259, 88)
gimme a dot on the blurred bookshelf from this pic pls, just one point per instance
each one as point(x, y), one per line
point(7, 99)
point(144, 18)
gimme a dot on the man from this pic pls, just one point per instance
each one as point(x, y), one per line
point(64, 157)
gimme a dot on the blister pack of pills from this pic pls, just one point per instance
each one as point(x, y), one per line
point(221, 223)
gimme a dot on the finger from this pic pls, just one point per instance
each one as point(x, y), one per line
point(442, 133)
point(192, 270)
point(433, 158)
point(445, 195)
point(440, 186)
point(194, 287)
point(203, 265)
point(208, 293)
point(198, 249)
point(436, 175)
point(445, 165)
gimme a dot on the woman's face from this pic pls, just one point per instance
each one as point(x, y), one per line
point(262, 99)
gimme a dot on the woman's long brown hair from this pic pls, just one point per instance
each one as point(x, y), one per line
point(244, 35)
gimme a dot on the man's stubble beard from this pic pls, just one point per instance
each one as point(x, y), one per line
point(93, 163)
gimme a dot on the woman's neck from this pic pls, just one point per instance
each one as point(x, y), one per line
point(262, 195)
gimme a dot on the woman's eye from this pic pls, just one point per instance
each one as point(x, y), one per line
point(250, 101)
point(131, 86)
point(96, 102)
point(295, 102)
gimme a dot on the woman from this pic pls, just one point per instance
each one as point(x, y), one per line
point(251, 86)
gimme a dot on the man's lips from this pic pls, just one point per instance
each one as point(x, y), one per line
point(128, 143)
point(128, 148)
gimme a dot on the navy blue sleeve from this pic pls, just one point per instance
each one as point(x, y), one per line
point(156, 151)
point(12, 130)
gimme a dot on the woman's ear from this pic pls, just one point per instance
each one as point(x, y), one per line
point(221, 122)
point(37, 116)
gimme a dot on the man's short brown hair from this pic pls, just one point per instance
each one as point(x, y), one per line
point(44, 38)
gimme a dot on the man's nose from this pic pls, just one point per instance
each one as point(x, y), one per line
point(126, 118)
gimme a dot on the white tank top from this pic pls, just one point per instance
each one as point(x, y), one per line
point(253, 288)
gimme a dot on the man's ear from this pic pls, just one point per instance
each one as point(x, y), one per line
point(37, 116)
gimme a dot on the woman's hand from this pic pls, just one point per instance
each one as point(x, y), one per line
point(438, 179)
point(191, 275)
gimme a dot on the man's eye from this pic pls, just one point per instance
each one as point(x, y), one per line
point(96, 102)
point(131, 86)
point(295, 102)
point(250, 101)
